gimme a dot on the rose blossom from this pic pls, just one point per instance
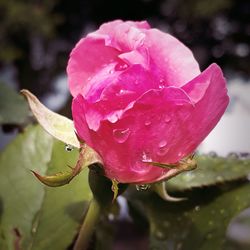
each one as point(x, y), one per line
point(139, 96)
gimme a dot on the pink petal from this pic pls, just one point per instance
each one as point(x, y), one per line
point(124, 36)
point(162, 126)
point(87, 59)
point(117, 96)
point(171, 60)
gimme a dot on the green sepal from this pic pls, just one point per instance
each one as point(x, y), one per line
point(102, 187)
point(115, 189)
point(57, 180)
point(85, 158)
point(160, 189)
point(56, 125)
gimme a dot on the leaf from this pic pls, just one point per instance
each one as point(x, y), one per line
point(47, 218)
point(197, 223)
point(62, 210)
point(20, 193)
point(210, 171)
point(57, 125)
point(13, 108)
point(86, 158)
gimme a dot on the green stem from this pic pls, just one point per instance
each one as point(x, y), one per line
point(88, 226)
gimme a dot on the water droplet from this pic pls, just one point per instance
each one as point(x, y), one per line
point(68, 147)
point(147, 122)
point(124, 92)
point(113, 117)
point(121, 92)
point(121, 135)
point(111, 71)
point(146, 157)
point(244, 156)
point(136, 82)
point(162, 144)
point(212, 154)
point(233, 156)
point(163, 149)
point(121, 66)
point(167, 119)
point(197, 208)
point(142, 187)
point(161, 85)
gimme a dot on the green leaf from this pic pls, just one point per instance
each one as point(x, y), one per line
point(13, 108)
point(197, 223)
point(57, 125)
point(46, 218)
point(20, 194)
point(210, 171)
point(63, 208)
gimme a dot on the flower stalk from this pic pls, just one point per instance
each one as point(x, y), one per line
point(91, 218)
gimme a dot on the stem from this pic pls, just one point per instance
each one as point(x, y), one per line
point(88, 226)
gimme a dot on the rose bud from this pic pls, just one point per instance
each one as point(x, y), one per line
point(139, 97)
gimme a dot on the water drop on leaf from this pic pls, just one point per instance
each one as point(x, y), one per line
point(233, 156)
point(68, 147)
point(142, 187)
point(212, 154)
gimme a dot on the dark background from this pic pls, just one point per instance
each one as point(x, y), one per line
point(36, 37)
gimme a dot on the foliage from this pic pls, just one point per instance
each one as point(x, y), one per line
point(34, 216)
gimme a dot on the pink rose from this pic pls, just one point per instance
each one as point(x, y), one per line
point(139, 96)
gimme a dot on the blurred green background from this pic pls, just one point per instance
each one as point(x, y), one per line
point(36, 38)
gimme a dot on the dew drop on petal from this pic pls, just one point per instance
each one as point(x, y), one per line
point(121, 135)
point(162, 144)
point(68, 147)
point(161, 85)
point(121, 66)
point(146, 157)
point(163, 149)
point(147, 123)
point(167, 119)
point(113, 117)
